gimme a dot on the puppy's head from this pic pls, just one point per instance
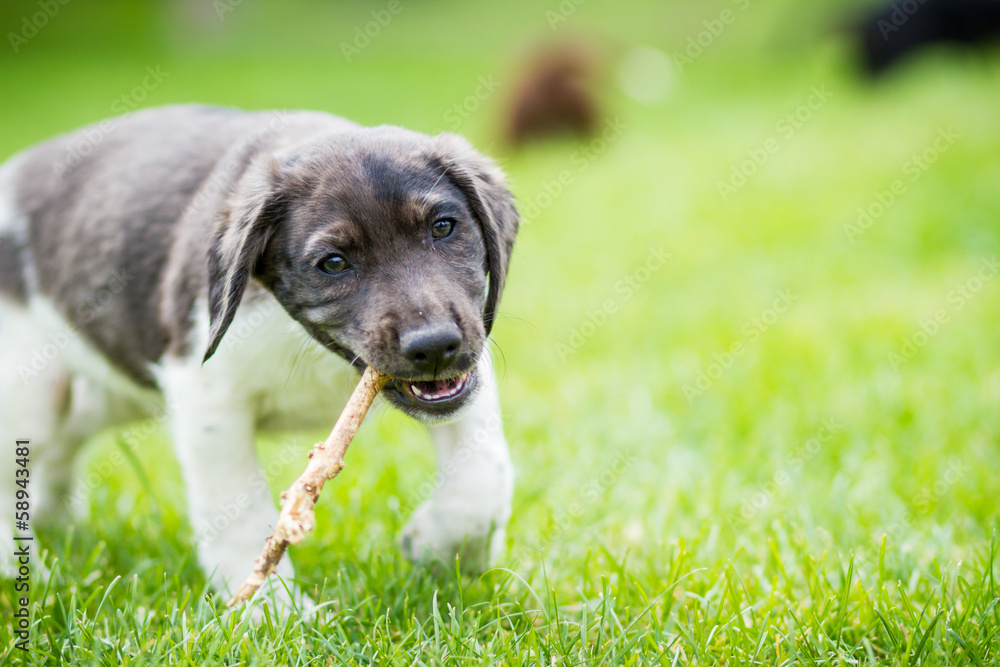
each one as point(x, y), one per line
point(389, 247)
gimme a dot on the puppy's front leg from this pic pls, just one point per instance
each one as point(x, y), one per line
point(229, 503)
point(469, 507)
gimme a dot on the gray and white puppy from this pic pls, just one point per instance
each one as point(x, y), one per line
point(130, 248)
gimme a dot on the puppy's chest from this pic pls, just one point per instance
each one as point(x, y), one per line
point(291, 381)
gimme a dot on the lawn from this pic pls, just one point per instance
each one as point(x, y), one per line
point(749, 356)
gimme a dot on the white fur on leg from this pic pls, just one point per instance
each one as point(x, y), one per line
point(229, 505)
point(467, 513)
point(33, 406)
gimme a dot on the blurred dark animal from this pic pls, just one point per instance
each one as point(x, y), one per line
point(553, 97)
point(896, 31)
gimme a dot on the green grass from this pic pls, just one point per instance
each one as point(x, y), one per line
point(815, 503)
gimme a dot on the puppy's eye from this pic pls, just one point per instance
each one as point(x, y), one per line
point(442, 228)
point(335, 264)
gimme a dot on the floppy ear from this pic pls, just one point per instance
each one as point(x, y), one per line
point(241, 234)
point(483, 184)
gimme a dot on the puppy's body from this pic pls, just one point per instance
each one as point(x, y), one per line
point(130, 251)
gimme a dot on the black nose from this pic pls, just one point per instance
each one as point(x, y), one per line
point(432, 348)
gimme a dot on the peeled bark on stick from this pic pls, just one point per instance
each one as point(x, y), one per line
point(326, 460)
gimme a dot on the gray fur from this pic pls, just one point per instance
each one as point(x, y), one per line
point(12, 271)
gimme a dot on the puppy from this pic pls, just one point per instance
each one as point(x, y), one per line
point(893, 32)
point(128, 250)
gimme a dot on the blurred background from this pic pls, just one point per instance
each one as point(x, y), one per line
point(754, 297)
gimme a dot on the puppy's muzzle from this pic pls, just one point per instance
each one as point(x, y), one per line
point(431, 349)
point(442, 377)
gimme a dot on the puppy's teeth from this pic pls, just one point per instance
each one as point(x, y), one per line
point(438, 390)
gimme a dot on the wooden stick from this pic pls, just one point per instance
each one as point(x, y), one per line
point(326, 460)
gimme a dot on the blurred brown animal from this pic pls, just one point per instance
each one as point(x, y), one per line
point(553, 97)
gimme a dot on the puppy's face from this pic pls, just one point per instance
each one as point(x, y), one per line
point(389, 247)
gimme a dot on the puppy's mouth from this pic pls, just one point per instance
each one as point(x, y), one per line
point(432, 401)
point(435, 391)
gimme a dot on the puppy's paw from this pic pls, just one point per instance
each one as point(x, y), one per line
point(441, 533)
